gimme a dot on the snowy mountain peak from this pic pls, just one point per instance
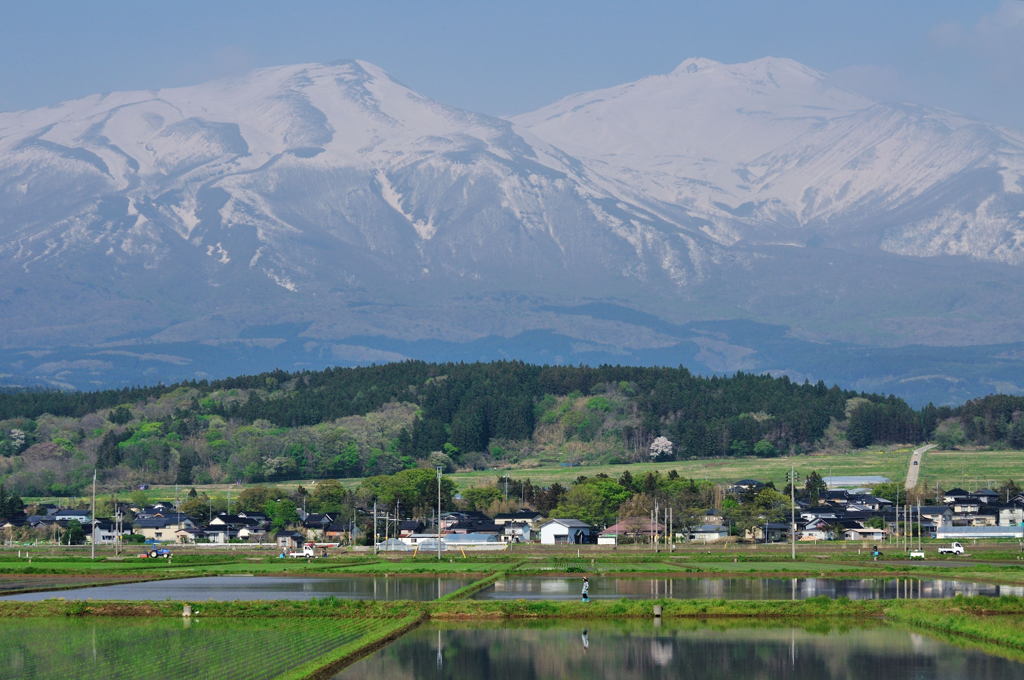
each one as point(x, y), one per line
point(333, 197)
point(695, 65)
point(768, 144)
point(777, 71)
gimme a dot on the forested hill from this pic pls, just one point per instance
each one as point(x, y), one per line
point(348, 422)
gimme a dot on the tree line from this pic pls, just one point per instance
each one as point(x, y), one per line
point(376, 420)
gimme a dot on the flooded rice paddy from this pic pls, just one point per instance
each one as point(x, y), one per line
point(692, 650)
point(227, 588)
point(552, 588)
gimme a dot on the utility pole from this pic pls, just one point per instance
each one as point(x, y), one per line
point(897, 517)
point(439, 469)
point(93, 518)
point(792, 511)
point(374, 526)
point(919, 523)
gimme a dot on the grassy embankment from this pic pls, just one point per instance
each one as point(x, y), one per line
point(917, 612)
point(838, 559)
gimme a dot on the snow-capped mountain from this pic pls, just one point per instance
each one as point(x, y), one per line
point(321, 180)
point(768, 151)
point(330, 211)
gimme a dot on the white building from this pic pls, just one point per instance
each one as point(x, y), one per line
point(556, 531)
point(706, 533)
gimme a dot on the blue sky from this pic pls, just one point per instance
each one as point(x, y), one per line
point(508, 57)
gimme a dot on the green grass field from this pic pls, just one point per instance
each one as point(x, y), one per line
point(889, 463)
point(971, 469)
point(250, 649)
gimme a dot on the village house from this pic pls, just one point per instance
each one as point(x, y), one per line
point(556, 531)
point(634, 529)
point(815, 530)
point(105, 531)
point(745, 486)
point(161, 528)
point(529, 516)
point(953, 495)
point(516, 532)
point(190, 535)
point(68, 514)
point(768, 532)
point(863, 534)
point(1011, 515)
point(289, 540)
point(706, 533)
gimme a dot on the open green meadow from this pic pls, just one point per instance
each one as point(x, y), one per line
point(965, 468)
point(947, 468)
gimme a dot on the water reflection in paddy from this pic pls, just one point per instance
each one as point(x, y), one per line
point(226, 588)
point(550, 588)
point(693, 650)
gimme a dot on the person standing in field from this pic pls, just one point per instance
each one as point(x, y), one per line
point(585, 595)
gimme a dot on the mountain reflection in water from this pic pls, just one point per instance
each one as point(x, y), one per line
point(554, 588)
point(590, 650)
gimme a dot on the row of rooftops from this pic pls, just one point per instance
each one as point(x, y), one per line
point(862, 495)
point(837, 506)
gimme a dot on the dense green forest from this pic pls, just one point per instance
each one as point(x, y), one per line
point(349, 422)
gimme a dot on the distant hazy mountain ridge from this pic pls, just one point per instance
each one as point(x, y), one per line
point(320, 212)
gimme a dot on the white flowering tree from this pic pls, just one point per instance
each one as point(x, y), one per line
point(661, 445)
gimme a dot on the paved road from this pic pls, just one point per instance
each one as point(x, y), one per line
point(915, 465)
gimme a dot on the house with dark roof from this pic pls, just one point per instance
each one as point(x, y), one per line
point(516, 532)
point(744, 486)
point(986, 496)
point(707, 533)
point(68, 514)
point(288, 539)
point(453, 517)
point(190, 535)
point(474, 526)
point(105, 531)
point(162, 528)
point(939, 515)
point(953, 494)
point(558, 530)
point(531, 517)
point(408, 527)
point(769, 532)
point(337, 532)
point(836, 497)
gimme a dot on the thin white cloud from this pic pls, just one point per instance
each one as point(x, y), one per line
point(997, 36)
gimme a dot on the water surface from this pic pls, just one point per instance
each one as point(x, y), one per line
point(226, 588)
point(692, 650)
point(559, 588)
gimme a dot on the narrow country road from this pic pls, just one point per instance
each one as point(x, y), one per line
point(915, 465)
